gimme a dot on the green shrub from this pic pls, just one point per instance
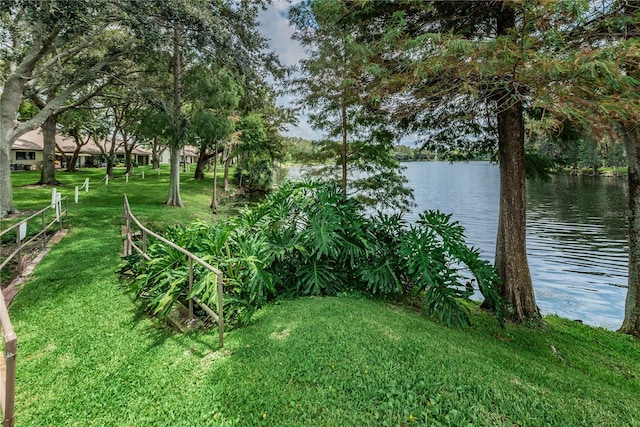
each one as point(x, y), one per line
point(308, 239)
point(255, 174)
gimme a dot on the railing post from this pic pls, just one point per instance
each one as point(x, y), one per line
point(59, 210)
point(220, 311)
point(44, 231)
point(19, 245)
point(190, 287)
point(11, 348)
point(9, 378)
point(127, 227)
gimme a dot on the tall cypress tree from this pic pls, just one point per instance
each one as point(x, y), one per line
point(330, 85)
point(631, 139)
point(461, 74)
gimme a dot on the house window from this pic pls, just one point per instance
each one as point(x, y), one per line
point(25, 155)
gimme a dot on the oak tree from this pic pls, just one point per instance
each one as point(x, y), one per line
point(39, 37)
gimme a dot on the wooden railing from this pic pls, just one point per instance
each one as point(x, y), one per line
point(45, 223)
point(137, 239)
point(8, 371)
point(8, 386)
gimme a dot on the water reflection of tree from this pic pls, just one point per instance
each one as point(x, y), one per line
point(582, 200)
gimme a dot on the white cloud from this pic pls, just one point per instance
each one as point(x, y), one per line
point(275, 26)
point(303, 130)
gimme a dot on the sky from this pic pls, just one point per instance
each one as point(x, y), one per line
point(274, 25)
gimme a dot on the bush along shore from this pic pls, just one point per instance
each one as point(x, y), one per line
point(309, 239)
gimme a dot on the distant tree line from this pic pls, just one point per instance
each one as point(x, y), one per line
point(575, 150)
point(304, 151)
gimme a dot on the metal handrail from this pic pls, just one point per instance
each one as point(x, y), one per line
point(130, 243)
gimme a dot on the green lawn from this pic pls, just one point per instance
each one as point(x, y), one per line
point(88, 356)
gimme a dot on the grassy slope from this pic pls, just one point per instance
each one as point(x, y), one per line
point(88, 357)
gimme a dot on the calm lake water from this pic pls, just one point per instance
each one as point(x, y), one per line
point(576, 239)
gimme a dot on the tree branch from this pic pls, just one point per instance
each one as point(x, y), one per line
point(55, 105)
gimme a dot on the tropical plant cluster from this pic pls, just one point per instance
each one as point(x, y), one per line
point(308, 239)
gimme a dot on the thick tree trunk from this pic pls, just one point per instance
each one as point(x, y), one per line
point(9, 104)
point(110, 161)
point(73, 161)
point(227, 165)
point(174, 182)
point(65, 159)
point(631, 139)
point(511, 248)
point(72, 164)
point(214, 201)
point(48, 173)
point(6, 191)
point(129, 163)
point(174, 198)
point(631, 322)
point(128, 159)
point(344, 150)
point(202, 161)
